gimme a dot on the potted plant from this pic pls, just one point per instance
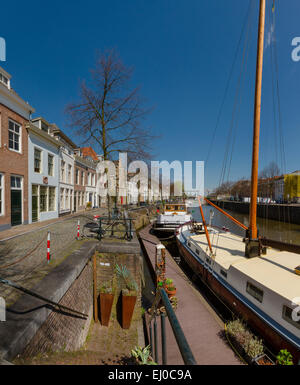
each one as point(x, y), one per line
point(284, 357)
point(106, 302)
point(129, 294)
point(170, 288)
point(89, 205)
point(142, 356)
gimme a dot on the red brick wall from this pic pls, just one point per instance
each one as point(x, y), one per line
point(12, 162)
point(63, 331)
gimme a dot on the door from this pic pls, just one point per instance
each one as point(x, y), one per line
point(35, 206)
point(75, 201)
point(16, 207)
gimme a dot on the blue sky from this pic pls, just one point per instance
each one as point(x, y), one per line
point(181, 51)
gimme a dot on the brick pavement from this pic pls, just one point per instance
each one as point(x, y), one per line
point(31, 240)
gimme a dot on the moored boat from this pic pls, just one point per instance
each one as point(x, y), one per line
point(173, 216)
point(260, 284)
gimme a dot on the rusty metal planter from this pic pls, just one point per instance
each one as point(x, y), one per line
point(106, 301)
point(128, 303)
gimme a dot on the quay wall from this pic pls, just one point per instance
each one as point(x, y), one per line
point(276, 212)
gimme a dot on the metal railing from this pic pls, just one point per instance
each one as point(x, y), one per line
point(185, 350)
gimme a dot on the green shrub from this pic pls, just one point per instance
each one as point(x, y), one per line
point(284, 357)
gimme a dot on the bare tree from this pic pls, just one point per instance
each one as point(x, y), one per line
point(109, 113)
point(269, 171)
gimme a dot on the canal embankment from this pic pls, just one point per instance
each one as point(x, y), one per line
point(277, 212)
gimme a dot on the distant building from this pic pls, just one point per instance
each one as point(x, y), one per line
point(279, 188)
point(292, 187)
point(14, 116)
point(43, 171)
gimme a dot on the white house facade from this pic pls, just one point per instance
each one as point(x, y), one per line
point(66, 171)
point(43, 172)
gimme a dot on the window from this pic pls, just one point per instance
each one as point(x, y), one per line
point(14, 132)
point(67, 199)
point(37, 160)
point(44, 127)
point(82, 178)
point(69, 173)
point(208, 261)
point(15, 182)
point(3, 79)
point(77, 176)
point(43, 198)
point(62, 175)
point(255, 292)
point(1, 194)
point(51, 204)
point(223, 272)
point(287, 314)
point(50, 164)
point(197, 251)
point(62, 201)
point(189, 245)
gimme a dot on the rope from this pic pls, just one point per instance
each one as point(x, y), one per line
point(227, 85)
point(25, 256)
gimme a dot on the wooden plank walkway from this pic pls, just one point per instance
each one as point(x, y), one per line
point(200, 324)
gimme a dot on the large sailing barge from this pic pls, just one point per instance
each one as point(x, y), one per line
point(260, 284)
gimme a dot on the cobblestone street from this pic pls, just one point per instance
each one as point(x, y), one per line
point(30, 249)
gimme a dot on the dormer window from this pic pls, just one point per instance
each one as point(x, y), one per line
point(4, 80)
point(44, 127)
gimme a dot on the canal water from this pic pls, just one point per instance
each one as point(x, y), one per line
point(280, 231)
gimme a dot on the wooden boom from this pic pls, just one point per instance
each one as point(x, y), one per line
point(227, 215)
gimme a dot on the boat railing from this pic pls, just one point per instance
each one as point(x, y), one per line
point(162, 301)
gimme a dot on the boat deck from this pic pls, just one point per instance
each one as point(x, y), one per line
point(275, 270)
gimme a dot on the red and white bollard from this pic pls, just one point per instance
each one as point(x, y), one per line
point(78, 229)
point(48, 247)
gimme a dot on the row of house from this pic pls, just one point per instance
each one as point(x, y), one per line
point(43, 174)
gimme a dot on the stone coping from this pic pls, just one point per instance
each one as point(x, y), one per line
point(27, 315)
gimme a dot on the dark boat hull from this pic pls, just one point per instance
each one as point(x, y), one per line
point(271, 337)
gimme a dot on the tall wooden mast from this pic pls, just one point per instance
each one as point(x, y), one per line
point(252, 243)
point(257, 108)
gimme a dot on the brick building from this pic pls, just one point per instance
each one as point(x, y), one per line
point(14, 116)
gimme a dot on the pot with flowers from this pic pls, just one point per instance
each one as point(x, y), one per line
point(106, 302)
point(170, 288)
point(129, 290)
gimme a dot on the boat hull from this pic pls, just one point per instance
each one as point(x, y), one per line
point(271, 337)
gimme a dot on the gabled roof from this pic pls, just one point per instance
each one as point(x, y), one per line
point(89, 152)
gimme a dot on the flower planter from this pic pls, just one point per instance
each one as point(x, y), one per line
point(106, 301)
point(171, 293)
point(263, 360)
point(128, 303)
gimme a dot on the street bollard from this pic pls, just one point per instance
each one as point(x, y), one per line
point(48, 247)
point(78, 229)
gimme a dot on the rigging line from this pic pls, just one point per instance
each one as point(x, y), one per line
point(228, 83)
point(230, 141)
point(243, 73)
